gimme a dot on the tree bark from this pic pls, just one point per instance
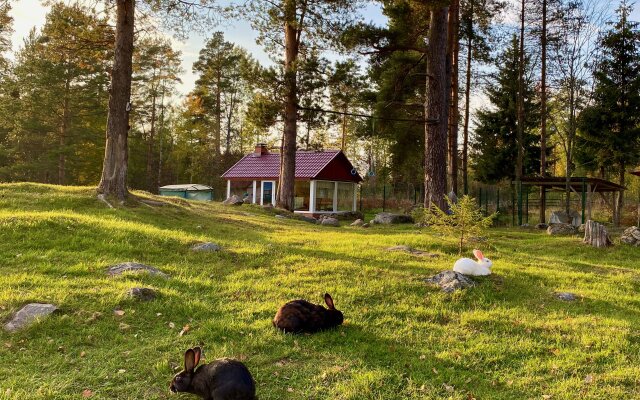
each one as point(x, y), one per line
point(217, 140)
point(619, 207)
point(520, 114)
point(454, 113)
point(344, 129)
point(114, 168)
point(436, 109)
point(543, 111)
point(286, 182)
point(467, 97)
point(596, 235)
point(151, 186)
point(64, 128)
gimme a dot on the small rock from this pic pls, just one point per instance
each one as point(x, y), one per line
point(389, 218)
point(329, 221)
point(450, 281)
point(541, 226)
point(281, 216)
point(119, 269)
point(413, 251)
point(142, 294)
point(28, 315)
point(233, 200)
point(365, 225)
point(207, 247)
point(566, 296)
point(524, 226)
point(561, 229)
point(357, 222)
point(310, 220)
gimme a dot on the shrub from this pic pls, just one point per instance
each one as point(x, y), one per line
point(461, 220)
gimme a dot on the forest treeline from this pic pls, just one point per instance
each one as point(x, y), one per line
point(511, 89)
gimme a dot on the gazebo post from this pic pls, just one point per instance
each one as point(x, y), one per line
point(584, 198)
point(228, 188)
point(355, 197)
point(335, 196)
point(254, 192)
point(543, 204)
point(589, 201)
point(312, 196)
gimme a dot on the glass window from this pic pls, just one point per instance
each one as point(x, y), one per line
point(302, 197)
point(324, 195)
point(345, 196)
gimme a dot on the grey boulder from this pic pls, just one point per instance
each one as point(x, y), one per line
point(562, 229)
point(29, 314)
point(142, 294)
point(389, 218)
point(135, 267)
point(206, 247)
point(233, 200)
point(330, 221)
point(450, 281)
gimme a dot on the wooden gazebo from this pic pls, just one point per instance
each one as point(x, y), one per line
point(585, 187)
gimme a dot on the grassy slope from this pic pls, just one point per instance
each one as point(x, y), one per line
point(509, 338)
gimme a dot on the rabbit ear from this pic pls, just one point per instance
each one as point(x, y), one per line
point(189, 360)
point(197, 351)
point(478, 254)
point(329, 301)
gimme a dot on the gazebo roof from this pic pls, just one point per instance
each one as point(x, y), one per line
point(328, 164)
point(576, 182)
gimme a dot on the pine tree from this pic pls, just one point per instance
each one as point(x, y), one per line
point(495, 137)
point(610, 127)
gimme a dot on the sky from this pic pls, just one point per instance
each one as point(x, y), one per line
point(28, 14)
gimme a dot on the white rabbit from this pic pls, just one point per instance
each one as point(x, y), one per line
point(467, 266)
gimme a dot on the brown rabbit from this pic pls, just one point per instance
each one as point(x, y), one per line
point(223, 379)
point(300, 316)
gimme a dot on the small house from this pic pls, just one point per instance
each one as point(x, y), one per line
point(325, 181)
point(188, 191)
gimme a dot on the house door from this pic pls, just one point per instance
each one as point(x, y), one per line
point(268, 192)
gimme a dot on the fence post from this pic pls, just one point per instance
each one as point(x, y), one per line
point(513, 205)
point(527, 206)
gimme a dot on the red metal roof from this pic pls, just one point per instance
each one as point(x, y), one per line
point(309, 164)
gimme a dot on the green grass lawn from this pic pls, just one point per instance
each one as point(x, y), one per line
point(508, 338)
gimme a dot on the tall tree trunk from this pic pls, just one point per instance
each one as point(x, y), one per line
point(454, 113)
point(344, 129)
point(217, 140)
point(436, 109)
point(467, 101)
point(114, 168)
point(618, 215)
point(64, 128)
point(543, 111)
point(520, 115)
point(160, 137)
point(151, 186)
point(286, 182)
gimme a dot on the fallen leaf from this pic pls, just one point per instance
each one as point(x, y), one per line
point(435, 371)
point(82, 354)
point(185, 329)
point(290, 390)
point(123, 326)
point(172, 325)
point(7, 345)
point(422, 356)
point(546, 396)
point(87, 393)
point(588, 379)
point(119, 313)
point(122, 371)
point(448, 388)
